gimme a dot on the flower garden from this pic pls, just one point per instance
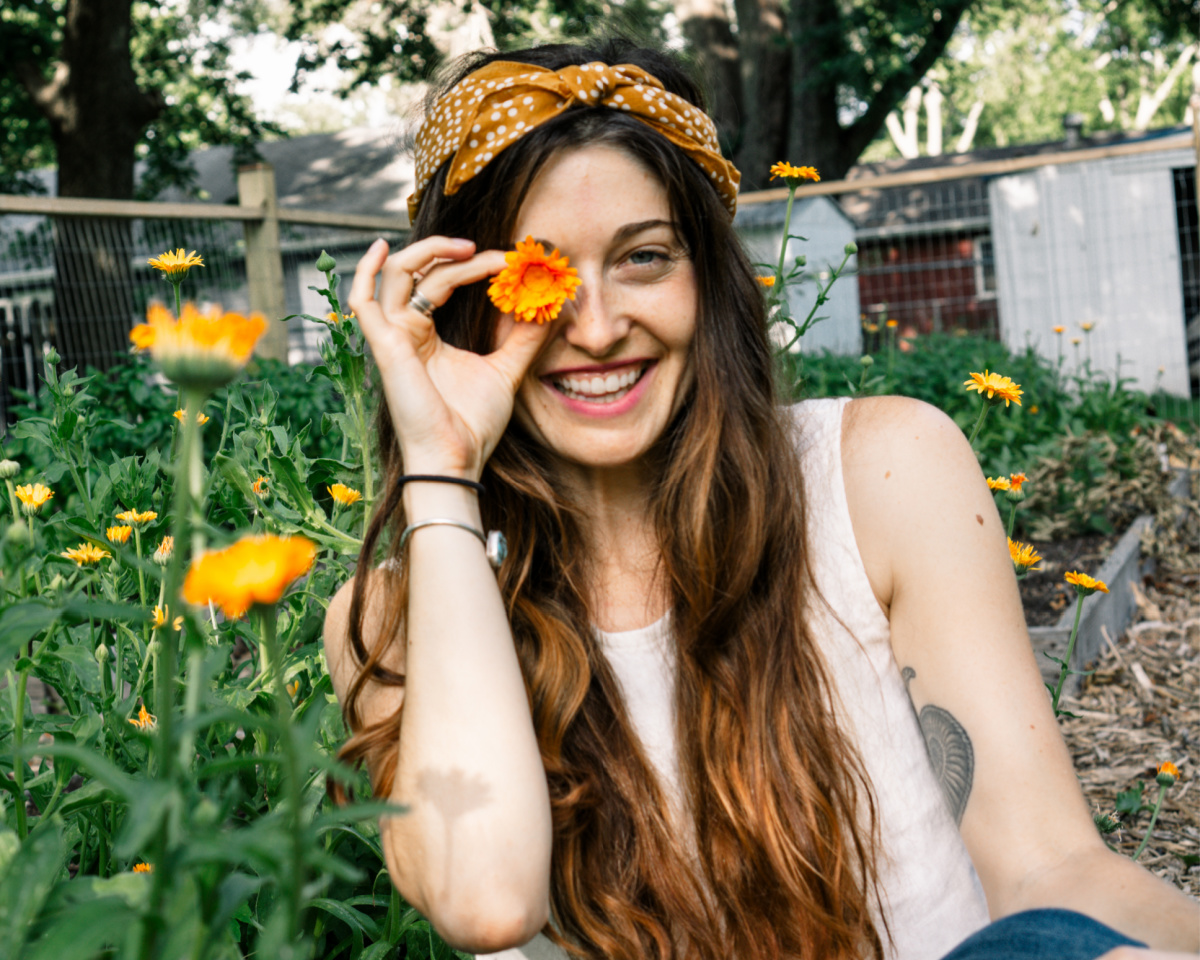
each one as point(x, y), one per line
point(175, 531)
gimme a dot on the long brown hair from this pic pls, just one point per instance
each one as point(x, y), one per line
point(785, 830)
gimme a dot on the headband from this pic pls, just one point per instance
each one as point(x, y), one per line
point(496, 105)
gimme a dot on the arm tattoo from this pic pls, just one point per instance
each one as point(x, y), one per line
point(949, 750)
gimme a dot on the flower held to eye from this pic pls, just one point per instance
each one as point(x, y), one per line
point(255, 570)
point(534, 285)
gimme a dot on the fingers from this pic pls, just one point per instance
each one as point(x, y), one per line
point(518, 349)
point(397, 284)
point(440, 281)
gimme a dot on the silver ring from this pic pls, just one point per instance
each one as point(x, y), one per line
point(421, 303)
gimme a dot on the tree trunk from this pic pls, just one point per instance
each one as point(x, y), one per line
point(766, 64)
point(709, 34)
point(97, 114)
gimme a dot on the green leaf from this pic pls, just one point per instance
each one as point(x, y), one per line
point(289, 477)
point(236, 476)
point(26, 884)
point(1129, 802)
point(20, 622)
point(83, 929)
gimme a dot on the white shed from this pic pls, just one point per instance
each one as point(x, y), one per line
point(1096, 242)
point(827, 231)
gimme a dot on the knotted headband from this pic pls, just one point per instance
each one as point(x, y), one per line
point(490, 109)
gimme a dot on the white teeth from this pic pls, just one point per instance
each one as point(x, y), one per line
point(598, 389)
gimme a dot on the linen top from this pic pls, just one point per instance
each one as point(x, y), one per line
point(932, 895)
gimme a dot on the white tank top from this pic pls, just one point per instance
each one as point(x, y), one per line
point(932, 895)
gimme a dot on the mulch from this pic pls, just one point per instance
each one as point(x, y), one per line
point(1044, 593)
point(1141, 707)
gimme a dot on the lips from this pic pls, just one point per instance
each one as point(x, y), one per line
point(600, 386)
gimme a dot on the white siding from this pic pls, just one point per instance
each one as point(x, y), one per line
point(1095, 242)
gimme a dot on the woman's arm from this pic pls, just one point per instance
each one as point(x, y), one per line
point(473, 850)
point(935, 552)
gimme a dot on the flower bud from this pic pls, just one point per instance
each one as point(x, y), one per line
point(102, 654)
point(18, 535)
point(851, 248)
point(9, 469)
point(867, 360)
point(326, 263)
point(1168, 773)
point(1106, 822)
point(801, 260)
point(52, 357)
point(56, 583)
point(1014, 496)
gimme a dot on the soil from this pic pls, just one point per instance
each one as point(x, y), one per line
point(1044, 593)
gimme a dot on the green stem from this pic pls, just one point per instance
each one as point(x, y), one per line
point(18, 743)
point(787, 228)
point(1162, 792)
point(1012, 517)
point(137, 545)
point(12, 501)
point(979, 423)
point(291, 768)
point(191, 704)
point(178, 305)
point(1065, 666)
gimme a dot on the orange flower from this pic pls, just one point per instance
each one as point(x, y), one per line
point(1016, 480)
point(85, 554)
point(175, 266)
point(766, 281)
point(1024, 556)
point(1087, 327)
point(793, 175)
point(259, 486)
point(1060, 329)
point(999, 483)
point(343, 494)
point(201, 350)
point(142, 867)
point(137, 519)
point(118, 534)
point(871, 327)
point(200, 418)
point(1084, 585)
point(33, 497)
point(893, 323)
point(255, 570)
point(162, 555)
point(1168, 773)
point(995, 386)
point(159, 618)
point(533, 286)
point(145, 720)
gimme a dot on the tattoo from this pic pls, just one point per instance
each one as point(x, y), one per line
point(950, 752)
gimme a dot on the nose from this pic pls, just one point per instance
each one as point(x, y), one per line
point(594, 322)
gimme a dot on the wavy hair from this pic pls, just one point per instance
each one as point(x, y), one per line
point(780, 858)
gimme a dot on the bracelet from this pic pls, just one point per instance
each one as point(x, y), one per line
point(434, 478)
point(495, 545)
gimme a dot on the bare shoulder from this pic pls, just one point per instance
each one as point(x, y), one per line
point(344, 665)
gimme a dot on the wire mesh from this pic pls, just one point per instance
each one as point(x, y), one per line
point(1187, 217)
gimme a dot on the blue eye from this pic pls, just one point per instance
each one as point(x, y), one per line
point(646, 257)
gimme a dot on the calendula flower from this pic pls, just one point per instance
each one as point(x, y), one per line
point(1060, 329)
point(792, 176)
point(893, 323)
point(85, 554)
point(766, 281)
point(259, 486)
point(256, 569)
point(1077, 340)
point(139, 520)
point(999, 483)
point(142, 867)
point(200, 350)
point(1034, 408)
point(871, 327)
point(145, 720)
point(33, 497)
point(118, 534)
point(1168, 773)
point(533, 286)
point(1087, 327)
point(9, 469)
point(1024, 556)
point(1084, 585)
point(332, 317)
point(175, 266)
point(200, 417)
point(1016, 480)
point(343, 494)
point(159, 617)
point(162, 553)
point(995, 386)
point(293, 688)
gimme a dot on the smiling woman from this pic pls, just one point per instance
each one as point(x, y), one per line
point(716, 700)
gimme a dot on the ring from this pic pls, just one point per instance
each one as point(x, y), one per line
point(421, 303)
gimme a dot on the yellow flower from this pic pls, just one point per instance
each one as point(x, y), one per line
point(871, 327)
point(1077, 340)
point(343, 494)
point(162, 554)
point(995, 386)
point(1087, 327)
point(1024, 556)
point(766, 281)
point(1168, 773)
point(159, 617)
point(256, 569)
point(533, 286)
point(142, 867)
point(293, 688)
point(1034, 408)
point(33, 497)
point(999, 483)
point(139, 520)
point(1060, 329)
point(85, 554)
point(1016, 480)
point(118, 534)
point(793, 175)
point(259, 486)
point(1085, 585)
point(893, 323)
point(145, 720)
point(200, 418)
point(175, 266)
point(201, 350)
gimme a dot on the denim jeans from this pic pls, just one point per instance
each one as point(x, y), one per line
point(1041, 935)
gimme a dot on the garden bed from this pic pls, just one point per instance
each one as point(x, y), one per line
point(1044, 594)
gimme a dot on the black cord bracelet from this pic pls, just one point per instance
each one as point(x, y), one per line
point(434, 478)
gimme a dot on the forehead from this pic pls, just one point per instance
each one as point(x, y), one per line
point(591, 190)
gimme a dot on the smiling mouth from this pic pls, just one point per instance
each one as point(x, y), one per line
point(599, 388)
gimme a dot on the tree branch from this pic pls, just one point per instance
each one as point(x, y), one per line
point(46, 94)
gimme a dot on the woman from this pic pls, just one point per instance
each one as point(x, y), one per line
point(677, 721)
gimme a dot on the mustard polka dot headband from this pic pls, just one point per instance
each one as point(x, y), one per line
point(495, 106)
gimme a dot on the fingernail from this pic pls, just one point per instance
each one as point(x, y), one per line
point(464, 243)
point(376, 245)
